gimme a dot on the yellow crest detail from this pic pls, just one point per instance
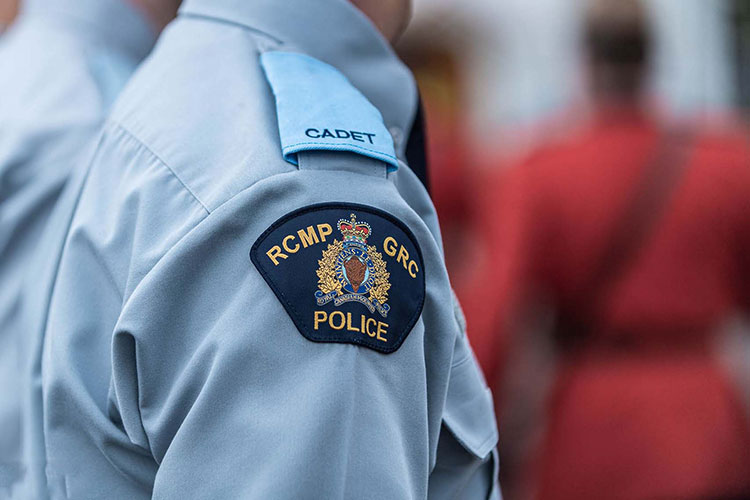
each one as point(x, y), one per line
point(327, 281)
point(379, 291)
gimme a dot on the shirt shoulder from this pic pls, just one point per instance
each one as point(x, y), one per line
point(30, 53)
point(186, 144)
point(201, 104)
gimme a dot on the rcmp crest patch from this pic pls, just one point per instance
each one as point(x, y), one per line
point(350, 270)
point(345, 273)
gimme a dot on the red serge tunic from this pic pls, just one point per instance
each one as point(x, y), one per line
point(640, 409)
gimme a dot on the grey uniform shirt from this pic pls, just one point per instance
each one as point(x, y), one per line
point(61, 65)
point(178, 361)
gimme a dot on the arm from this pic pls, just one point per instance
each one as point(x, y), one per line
point(214, 376)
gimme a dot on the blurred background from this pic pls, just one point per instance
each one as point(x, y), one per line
point(514, 65)
point(533, 153)
point(499, 77)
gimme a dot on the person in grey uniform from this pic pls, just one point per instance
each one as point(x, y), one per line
point(251, 300)
point(61, 66)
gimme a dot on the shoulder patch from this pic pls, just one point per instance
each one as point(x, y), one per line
point(319, 109)
point(344, 273)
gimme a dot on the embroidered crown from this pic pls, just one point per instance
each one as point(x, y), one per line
point(353, 230)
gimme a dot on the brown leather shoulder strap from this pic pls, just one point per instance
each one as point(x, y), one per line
point(632, 229)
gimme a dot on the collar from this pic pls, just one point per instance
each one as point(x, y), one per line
point(337, 33)
point(113, 22)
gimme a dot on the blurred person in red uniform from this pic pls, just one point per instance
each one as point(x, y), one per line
point(639, 239)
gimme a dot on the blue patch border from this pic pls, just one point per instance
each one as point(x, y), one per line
point(287, 304)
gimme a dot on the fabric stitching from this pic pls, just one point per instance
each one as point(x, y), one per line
point(244, 27)
point(349, 145)
point(473, 448)
point(462, 361)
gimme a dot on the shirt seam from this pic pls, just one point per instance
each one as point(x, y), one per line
point(208, 213)
point(214, 19)
point(160, 160)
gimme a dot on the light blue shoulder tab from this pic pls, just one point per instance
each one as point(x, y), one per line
point(320, 110)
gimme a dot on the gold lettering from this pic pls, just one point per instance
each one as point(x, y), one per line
point(382, 328)
point(343, 320)
point(390, 245)
point(308, 236)
point(416, 269)
point(349, 323)
point(370, 332)
point(324, 230)
point(320, 317)
point(403, 256)
point(275, 253)
point(338, 321)
point(285, 244)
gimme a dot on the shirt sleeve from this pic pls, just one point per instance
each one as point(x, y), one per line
point(467, 460)
point(212, 375)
